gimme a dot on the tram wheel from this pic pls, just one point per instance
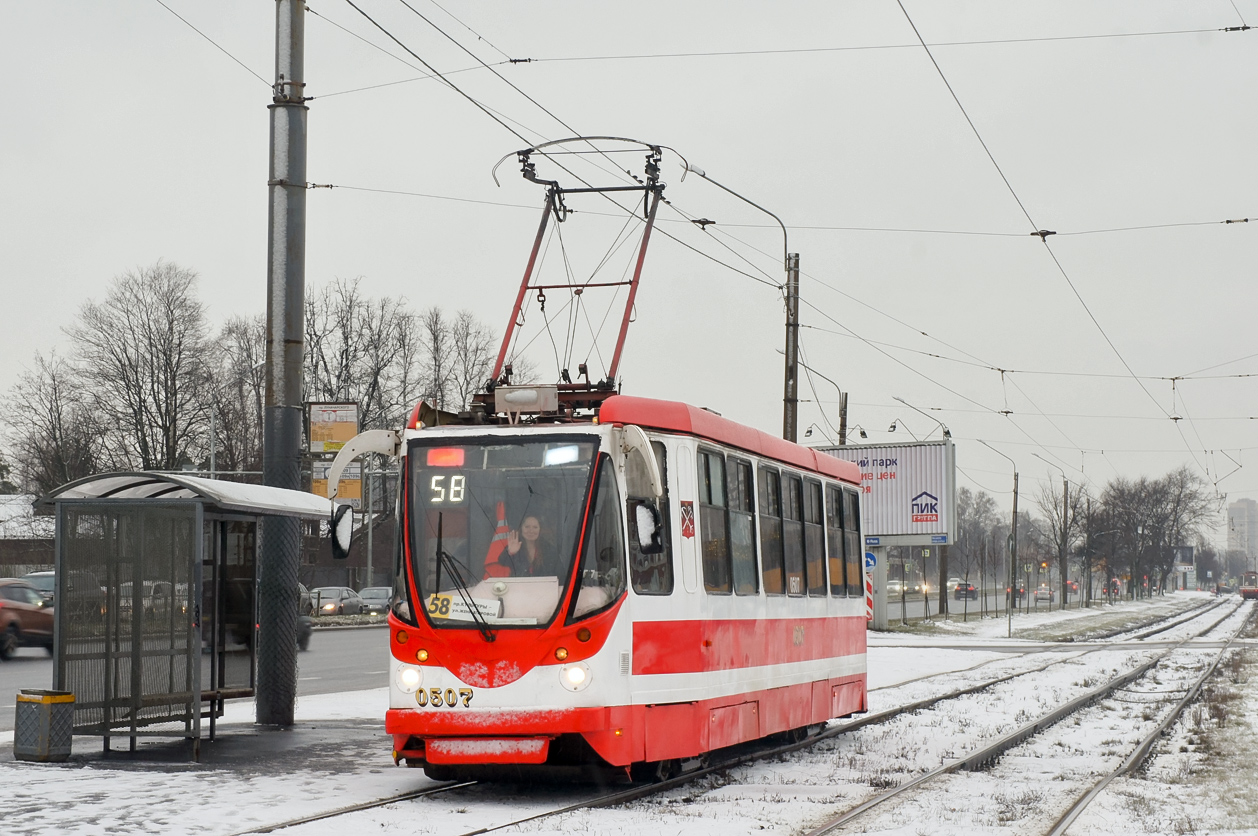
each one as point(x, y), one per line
point(655, 771)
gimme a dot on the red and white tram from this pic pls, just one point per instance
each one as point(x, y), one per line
point(694, 584)
point(612, 580)
point(1249, 585)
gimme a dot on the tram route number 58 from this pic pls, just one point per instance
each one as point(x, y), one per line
point(448, 698)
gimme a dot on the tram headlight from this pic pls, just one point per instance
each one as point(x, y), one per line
point(575, 677)
point(409, 678)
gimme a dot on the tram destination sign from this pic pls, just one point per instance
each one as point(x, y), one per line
point(908, 491)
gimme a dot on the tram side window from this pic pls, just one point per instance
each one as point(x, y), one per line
point(834, 539)
point(793, 532)
point(713, 525)
point(852, 543)
point(742, 527)
point(771, 531)
point(814, 539)
point(602, 576)
point(651, 574)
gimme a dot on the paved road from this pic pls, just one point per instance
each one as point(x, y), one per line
point(338, 660)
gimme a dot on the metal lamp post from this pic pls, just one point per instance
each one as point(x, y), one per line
point(790, 395)
point(1065, 512)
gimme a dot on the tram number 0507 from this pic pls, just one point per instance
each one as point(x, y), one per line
point(449, 698)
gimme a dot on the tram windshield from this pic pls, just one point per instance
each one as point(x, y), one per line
point(494, 526)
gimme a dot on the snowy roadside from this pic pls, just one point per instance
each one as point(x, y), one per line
point(1056, 625)
point(338, 755)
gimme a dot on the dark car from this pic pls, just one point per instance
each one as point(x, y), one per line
point(965, 589)
point(45, 583)
point(1017, 594)
point(336, 600)
point(25, 617)
point(376, 599)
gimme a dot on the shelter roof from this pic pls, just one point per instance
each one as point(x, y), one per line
point(225, 496)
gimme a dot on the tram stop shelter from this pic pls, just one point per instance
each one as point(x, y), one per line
point(155, 606)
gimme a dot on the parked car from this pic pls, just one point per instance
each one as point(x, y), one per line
point(1044, 593)
point(376, 599)
point(45, 583)
point(25, 617)
point(336, 600)
point(965, 589)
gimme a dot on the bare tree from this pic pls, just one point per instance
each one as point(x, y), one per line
point(360, 349)
point(1062, 515)
point(142, 354)
point(239, 389)
point(52, 436)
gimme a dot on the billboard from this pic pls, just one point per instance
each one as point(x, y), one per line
point(331, 425)
point(908, 491)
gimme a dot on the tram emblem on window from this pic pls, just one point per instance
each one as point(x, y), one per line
point(687, 518)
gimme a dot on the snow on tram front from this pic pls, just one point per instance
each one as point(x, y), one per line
point(631, 592)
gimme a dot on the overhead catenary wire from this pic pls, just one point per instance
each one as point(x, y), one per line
point(1042, 233)
point(730, 267)
point(213, 43)
point(864, 47)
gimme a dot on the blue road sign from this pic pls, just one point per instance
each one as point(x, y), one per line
point(870, 560)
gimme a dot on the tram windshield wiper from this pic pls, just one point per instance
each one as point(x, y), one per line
point(461, 586)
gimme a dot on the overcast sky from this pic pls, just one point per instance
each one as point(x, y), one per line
point(128, 137)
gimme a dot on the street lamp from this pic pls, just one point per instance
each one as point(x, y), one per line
point(1013, 536)
point(790, 394)
point(946, 432)
point(900, 422)
point(842, 403)
point(1065, 515)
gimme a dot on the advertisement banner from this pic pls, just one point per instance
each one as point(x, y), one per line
point(907, 491)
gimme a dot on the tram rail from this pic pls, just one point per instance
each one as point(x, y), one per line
point(750, 753)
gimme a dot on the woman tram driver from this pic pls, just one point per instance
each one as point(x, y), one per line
point(527, 555)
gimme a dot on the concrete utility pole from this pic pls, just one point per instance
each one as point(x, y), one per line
point(282, 421)
point(790, 398)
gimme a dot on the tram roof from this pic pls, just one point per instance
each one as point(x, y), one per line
point(674, 416)
point(225, 496)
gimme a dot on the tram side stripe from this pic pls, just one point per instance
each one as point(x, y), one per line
point(662, 647)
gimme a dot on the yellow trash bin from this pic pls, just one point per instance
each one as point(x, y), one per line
point(44, 726)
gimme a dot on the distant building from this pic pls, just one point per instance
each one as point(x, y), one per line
point(1242, 527)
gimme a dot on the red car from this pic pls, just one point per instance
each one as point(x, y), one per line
point(25, 618)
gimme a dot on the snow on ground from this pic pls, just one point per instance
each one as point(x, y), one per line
point(338, 755)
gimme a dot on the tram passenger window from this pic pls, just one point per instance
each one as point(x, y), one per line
point(793, 533)
point(834, 540)
point(814, 539)
point(742, 527)
point(852, 543)
point(771, 532)
point(650, 574)
point(712, 522)
point(601, 580)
